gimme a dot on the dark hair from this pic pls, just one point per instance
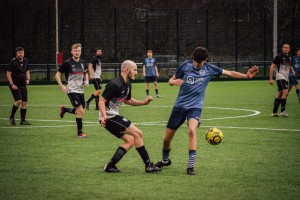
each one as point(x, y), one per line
point(19, 49)
point(96, 49)
point(200, 54)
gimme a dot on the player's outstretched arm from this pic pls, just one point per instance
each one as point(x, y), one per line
point(250, 74)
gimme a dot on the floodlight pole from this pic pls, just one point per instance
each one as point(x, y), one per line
point(275, 29)
point(56, 33)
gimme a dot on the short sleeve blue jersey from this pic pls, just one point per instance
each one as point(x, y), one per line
point(295, 65)
point(150, 64)
point(195, 81)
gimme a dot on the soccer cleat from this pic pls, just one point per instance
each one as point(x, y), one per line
point(151, 168)
point(82, 135)
point(163, 163)
point(87, 105)
point(274, 115)
point(111, 169)
point(24, 122)
point(62, 111)
point(12, 121)
point(158, 96)
point(190, 171)
point(284, 114)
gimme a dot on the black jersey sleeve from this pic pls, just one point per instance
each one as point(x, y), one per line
point(111, 91)
point(277, 60)
point(63, 68)
point(11, 65)
point(129, 94)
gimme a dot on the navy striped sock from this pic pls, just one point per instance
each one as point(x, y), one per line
point(192, 158)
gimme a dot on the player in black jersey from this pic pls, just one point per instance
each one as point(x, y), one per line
point(95, 75)
point(18, 76)
point(116, 92)
point(76, 77)
point(282, 65)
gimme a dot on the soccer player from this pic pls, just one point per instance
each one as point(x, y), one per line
point(150, 72)
point(293, 78)
point(95, 75)
point(18, 76)
point(115, 93)
point(76, 77)
point(282, 65)
point(192, 77)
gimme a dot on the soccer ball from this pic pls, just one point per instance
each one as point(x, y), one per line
point(214, 136)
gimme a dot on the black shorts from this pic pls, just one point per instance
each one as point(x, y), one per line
point(293, 81)
point(77, 99)
point(150, 79)
point(20, 93)
point(117, 125)
point(282, 84)
point(97, 83)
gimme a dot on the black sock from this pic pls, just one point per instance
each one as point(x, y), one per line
point(70, 110)
point(283, 102)
point(97, 101)
point(91, 98)
point(147, 92)
point(166, 154)
point(79, 125)
point(23, 114)
point(144, 154)
point(118, 156)
point(156, 91)
point(276, 105)
point(13, 111)
point(298, 93)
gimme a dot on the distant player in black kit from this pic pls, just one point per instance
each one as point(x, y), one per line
point(76, 77)
point(282, 65)
point(116, 92)
point(95, 75)
point(18, 76)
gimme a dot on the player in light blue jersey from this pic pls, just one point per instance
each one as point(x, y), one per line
point(150, 72)
point(293, 78)
point(192, 77)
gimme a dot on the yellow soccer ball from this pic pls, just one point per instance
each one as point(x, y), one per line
point(214, 136)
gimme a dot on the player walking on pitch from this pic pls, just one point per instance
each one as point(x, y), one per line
point(76, 77)
point(18, 76)
point(115, 93)
point(150, 72)
point(95, 74)
point(282, 65)
point(193, 77)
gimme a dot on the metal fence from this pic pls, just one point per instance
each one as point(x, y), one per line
point(44, 73)
point(229, 34)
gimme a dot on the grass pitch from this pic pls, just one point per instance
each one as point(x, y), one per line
point(258, 158)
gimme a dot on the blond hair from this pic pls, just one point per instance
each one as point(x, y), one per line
point(75, 46)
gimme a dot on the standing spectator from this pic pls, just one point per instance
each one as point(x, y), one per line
point(18, 76)
point(76, 77)
point(150, 72)
point(116, 92)
point(293, 78)
point(282, 66)
point(95, 75)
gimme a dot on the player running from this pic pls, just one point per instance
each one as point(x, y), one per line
point(76, 77)
point(293, 77)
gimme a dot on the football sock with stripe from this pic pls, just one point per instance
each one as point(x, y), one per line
point(192, 159)
point(144, 154)
point(117, 156)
